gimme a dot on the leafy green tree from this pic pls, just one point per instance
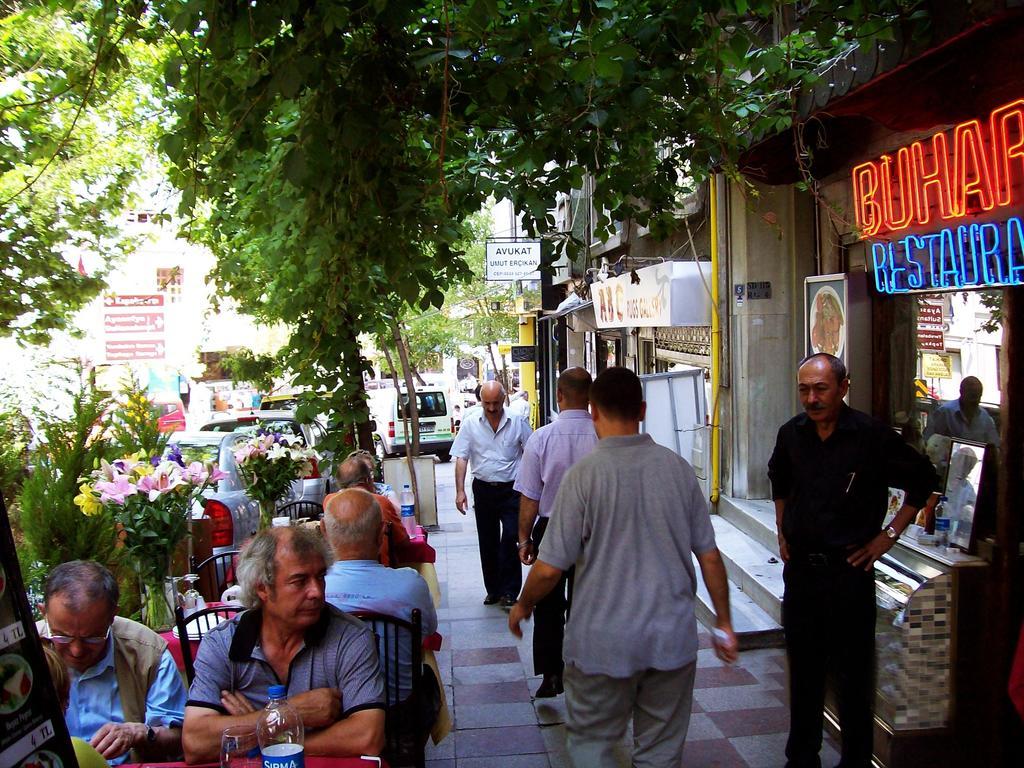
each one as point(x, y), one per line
point(76, 109)
point(329, 151)
point(466, 318)
point(260, 370)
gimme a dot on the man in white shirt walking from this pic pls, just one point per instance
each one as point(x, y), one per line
point(550, 451)
point(493, 442)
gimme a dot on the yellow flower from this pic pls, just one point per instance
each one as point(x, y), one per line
point(88, 500)
point(143, 469)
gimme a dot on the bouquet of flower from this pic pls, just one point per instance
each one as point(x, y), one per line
point(151, 501)
point(269, 463)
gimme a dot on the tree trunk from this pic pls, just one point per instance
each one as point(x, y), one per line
point(410, 386)
point(405, 426)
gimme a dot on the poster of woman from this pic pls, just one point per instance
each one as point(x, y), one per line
point(825, 315)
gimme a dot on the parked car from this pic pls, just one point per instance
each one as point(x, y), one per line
point(312, 435)
point(171, 415)
point(436, 418)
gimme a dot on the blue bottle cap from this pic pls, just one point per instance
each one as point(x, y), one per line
point(277, 691)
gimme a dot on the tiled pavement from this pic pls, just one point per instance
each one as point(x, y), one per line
point(739, 715)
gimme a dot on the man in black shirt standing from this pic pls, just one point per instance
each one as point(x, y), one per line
point(830, 473)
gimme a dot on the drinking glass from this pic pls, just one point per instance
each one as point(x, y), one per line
point(192, 599)
point(238, 747)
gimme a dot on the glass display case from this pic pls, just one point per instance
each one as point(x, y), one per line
point(928, 601)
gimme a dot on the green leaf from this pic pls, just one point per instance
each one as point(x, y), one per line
point(608, 68)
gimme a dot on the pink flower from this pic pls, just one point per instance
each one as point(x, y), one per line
point(116, 490)
point(160, 482)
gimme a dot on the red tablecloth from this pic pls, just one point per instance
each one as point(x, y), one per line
point(174, 644)
point(312, 761)
point(416, 551)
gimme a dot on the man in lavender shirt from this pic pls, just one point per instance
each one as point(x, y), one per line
point(549, 452)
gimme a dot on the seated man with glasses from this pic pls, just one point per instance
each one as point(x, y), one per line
point(126, 693)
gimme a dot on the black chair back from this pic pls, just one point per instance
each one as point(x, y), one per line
point(192, 628)
point(405, 729)
point(389, 539)
point(218, 571)
point(298, 509)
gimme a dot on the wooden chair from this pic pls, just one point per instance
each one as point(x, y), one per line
point(191, 629)
point(216, 573)
point(297, 509)
point(405, 687)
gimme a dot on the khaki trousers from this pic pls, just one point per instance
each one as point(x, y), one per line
point(599, 708)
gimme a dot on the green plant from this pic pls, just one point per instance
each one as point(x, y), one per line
point(54, 527)
point(133, 425)
point(16, 433)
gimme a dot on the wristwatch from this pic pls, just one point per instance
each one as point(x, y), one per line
point(522, 544)
point(891, 533)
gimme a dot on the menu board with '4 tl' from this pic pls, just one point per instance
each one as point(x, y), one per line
point(32, 729)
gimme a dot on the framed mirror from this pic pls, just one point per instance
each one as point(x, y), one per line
point(962, 488)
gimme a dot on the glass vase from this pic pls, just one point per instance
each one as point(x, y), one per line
point(157, 613)
point(268, 508)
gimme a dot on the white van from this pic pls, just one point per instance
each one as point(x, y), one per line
point(435, 417)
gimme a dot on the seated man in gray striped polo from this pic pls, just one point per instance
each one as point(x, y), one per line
point(290, 635)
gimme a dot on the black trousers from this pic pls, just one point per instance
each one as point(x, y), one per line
point(549, 617)
point(497, 529)
point(828, 615)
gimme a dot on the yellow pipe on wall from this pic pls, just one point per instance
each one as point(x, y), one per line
point(716, 349)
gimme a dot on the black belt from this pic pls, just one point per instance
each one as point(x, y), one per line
point(495, 483)
point(827, 559)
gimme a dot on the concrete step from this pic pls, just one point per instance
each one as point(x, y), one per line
point(755, 517)
point(754, 628)
point(753, 568)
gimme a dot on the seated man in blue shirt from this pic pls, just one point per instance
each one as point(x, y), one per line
point(357, 582)
point(126, 694)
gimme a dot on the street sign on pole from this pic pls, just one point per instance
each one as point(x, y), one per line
point(135, 349)
point(133, 322)
point(511, 260)
point(133, 300)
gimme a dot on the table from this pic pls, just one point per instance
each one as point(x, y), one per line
point(312, 761)
point(416, 550)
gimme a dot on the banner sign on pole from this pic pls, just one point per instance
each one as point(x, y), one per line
point(510, 260)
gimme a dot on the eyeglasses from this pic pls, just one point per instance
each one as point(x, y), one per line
point(69, 639)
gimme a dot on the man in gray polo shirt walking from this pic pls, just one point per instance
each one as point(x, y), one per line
point(628, 516)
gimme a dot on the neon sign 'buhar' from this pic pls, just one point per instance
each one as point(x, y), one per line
point(966, 256)
point(972, 169)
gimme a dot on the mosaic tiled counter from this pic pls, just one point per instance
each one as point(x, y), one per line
point(926, 598)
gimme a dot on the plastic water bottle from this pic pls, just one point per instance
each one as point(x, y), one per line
point(280, 732)
point(942, 523)
point(408, 502)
